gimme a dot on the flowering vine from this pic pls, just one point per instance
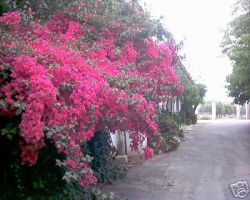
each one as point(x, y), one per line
point(70, 87)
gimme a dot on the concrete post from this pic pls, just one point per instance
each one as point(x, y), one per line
point(161, 105)
point(238, 111)
point(213, 110)
point(179, 106)
point(248, 111)
point(175, 106)
point(197, 109)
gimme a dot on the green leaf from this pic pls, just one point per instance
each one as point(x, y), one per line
point(3, 104)
point(18, 111)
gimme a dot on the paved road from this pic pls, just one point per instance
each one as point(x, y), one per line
point(212, 156)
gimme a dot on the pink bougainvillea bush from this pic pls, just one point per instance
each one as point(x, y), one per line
point(81, 71)
point(148, 153)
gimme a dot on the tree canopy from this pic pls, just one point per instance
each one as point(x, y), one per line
point(236, 45)
point(193, 96)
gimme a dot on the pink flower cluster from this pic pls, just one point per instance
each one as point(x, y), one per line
point(12, 19)
point(72, 88)
point(148, 153)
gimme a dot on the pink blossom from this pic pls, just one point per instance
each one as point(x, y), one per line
point(148, 153)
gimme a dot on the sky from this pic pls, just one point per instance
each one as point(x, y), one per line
point(199, 24)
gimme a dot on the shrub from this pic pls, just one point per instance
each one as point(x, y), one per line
point(103, 155)
point(45, 179)
point(84, 67)
point(148, 153)
point(42, 181)
point(188, 121)
point(194, 119)
point(168, 138)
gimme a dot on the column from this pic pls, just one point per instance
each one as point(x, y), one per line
point(247, 111)
point(213, 110)
point(238, 111)
point(175, 106)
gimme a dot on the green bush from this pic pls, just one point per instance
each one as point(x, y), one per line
point(194, 119)
point(101, 149)
point(43, 181)
point(188, 121)
point(168, 137)
point(191, 119)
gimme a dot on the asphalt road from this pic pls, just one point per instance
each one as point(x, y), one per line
point(212, 156)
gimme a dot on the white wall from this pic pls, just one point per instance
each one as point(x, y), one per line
point(118, 142)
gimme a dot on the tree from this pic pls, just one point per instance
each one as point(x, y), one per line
point(219, 109)
point(206, 107)
point(193, 93)
point(229, 109)
point(192, 97)
point(236, 45)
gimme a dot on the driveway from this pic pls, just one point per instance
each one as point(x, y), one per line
point(212, 156)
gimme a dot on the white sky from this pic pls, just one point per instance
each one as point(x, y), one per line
point(200, 23)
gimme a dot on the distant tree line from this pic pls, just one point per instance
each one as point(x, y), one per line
point(222, 109)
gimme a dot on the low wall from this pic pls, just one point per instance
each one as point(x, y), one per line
point(123, 145)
